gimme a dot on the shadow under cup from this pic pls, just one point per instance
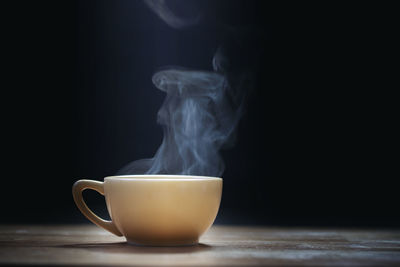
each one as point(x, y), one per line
point(157, 210)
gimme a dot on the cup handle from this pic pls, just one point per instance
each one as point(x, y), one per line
point(77, 190)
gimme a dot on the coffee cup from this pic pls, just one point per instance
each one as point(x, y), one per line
point(155, 210)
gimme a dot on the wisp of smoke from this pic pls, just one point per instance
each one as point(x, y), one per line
point(161, 8)
point(201, 110)
point(197, 117)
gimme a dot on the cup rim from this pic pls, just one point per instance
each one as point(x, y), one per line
point(165, 177)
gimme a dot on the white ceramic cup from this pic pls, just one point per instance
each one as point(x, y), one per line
point(157, 210)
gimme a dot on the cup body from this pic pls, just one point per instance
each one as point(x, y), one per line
point(166, 210)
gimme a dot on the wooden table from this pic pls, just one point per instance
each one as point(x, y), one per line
point(86, 245)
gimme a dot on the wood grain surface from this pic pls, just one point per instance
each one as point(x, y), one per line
point(88, 245)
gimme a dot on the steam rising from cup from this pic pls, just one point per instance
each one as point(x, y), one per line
point(199, 115)
point(197, 119)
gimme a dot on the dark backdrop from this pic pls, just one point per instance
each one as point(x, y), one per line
point(318, 144)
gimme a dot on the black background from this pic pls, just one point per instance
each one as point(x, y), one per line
point(318, 144)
